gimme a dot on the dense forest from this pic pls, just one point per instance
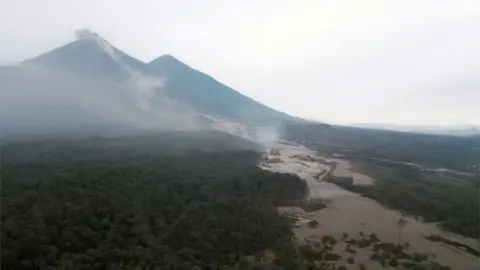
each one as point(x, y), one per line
point(450, 198)
point(436, 151)
point(453, 202)
point(135, 204)
point(184, 200)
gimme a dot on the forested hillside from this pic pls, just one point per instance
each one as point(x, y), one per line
point(409, 169)
point(436, 151)
point(133, 206)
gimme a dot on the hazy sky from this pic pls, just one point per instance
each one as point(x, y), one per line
point(396, 61)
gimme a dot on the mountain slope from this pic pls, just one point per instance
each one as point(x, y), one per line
point(455, 130)
point(40, 100)
point(94, 57)
point(209, 96)
point(82, 57)
point(90, 83)
point(91, 56)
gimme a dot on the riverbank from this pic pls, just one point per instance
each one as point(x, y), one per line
point(354, 215)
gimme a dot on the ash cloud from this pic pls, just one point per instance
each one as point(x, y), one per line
point(38, 100)
point(85, 33)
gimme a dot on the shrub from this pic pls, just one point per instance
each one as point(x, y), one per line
point(328, 239)
point(374, 238)
point(393, 262)
point(332, 257)
point(386, 255)
point(349, 249)
point(387, 247)
point(308, 253)
point(351, 241)
point(362, 243)
point(418, 267)
point(383, 261)
point(407, 265)
point(417, 257)
point(313, 224)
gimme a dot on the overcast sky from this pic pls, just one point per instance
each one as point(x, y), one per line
point(403, 62)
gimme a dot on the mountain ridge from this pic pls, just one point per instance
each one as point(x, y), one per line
point(182, 76)
point(453, 130)
point(88, 55)
point(166, 91)
point(83, 57)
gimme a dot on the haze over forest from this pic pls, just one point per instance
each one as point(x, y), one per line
point(220, 135)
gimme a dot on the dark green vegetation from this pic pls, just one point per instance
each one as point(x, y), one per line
point(387, 255)
point(136, 203)
point(112, 148)
point(448, 197)
point(459, 153)
point(438, 238)
point(453, 202)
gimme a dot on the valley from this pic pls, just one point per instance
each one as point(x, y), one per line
point(110, 162)
point(171, 199)
point(349, 213)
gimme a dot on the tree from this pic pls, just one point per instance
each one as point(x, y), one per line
point(84, 207)
point(393, 262)
point(400, 225)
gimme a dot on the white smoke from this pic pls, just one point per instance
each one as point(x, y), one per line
point(266, 135)
point(144, 84)
point(148, 88)
point(46, 99)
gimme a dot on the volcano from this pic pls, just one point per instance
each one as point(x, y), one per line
point(90, 85)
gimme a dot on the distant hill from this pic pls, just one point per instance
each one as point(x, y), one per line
point(454, 130)
point(436, 151)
